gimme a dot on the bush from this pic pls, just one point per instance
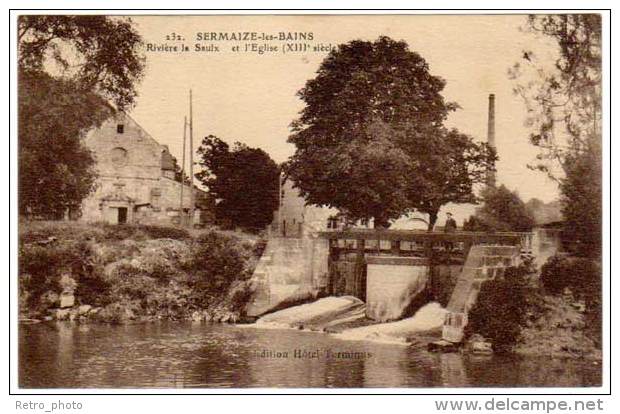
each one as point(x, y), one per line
point(143, 232)
point(583, 277)
point(239, 297)
point(577, 274)
point(501, 309)
point(91, 288)
point(40, 269)
point(162, 232)
point(41, 231)
point(216, 263)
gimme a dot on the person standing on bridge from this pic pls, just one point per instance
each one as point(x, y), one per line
point(449, 227)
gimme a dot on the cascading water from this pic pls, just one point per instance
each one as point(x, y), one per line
point(332, 311)
point(317, 315)
point(428, 318)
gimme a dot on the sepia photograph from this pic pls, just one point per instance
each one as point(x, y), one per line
point(310, 201)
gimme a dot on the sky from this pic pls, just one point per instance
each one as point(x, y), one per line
point(251, 98)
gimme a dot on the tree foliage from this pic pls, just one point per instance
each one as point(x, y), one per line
point(445, 169)
point(371, 142)
point(69, 67)
point(502, 210)
point(564, 106)
point(216, 263)
point(98, 54)
point(55, 169)
point(501, 309)
point(244, 181)
point(583, 277)
point(581, 197)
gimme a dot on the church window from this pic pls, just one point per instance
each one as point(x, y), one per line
point(120, 129)
point(119, 156)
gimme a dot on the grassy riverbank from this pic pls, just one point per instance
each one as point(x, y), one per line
point(77, 271)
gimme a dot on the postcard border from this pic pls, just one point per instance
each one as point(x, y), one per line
point(275, 390)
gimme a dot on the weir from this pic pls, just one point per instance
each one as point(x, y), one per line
point(394, 272)
point(290, 271)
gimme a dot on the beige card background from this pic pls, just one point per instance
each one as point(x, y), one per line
point(250, 97)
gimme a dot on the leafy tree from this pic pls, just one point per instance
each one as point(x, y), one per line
point(97, 53)
point(564, 103)
point(68, 69)
point(244, 182)
point(371, 142)
point(544, 213)
point(180, 175)
point(582, 203)
point(55, 169)
point(503, 210)
point(446, 167)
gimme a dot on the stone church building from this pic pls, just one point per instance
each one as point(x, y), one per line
point(136, 177)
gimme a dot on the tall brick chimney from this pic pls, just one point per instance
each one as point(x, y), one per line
point(491, 136)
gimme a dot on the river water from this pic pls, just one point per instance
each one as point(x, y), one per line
point(185, 355)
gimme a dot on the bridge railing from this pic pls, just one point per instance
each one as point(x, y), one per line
point(417, 242)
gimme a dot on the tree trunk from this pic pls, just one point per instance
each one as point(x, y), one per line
point(381, 223)
point(432, 219)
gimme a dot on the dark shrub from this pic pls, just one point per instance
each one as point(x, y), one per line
point(121, 232)
point(240, 296)
point(40, 232)
point(583, 277)
point(162, 232)
point(42, 266)
point(142, 232)
point(501, 309)
point(39, 270)
point(594, 311)
point(215, 265)
point(91, 288)
point(580, 275)
point(503, 210)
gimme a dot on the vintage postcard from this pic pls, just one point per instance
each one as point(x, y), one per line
point(310, 201)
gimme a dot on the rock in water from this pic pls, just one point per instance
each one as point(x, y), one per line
point(481, 347)
point(67, 300)
point(84, 309)
point(443, 346)
point(62, 314)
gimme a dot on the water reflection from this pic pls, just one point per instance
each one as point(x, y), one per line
point(167, 355)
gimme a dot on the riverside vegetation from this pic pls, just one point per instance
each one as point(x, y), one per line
point(555, 311)
point(118, 274)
